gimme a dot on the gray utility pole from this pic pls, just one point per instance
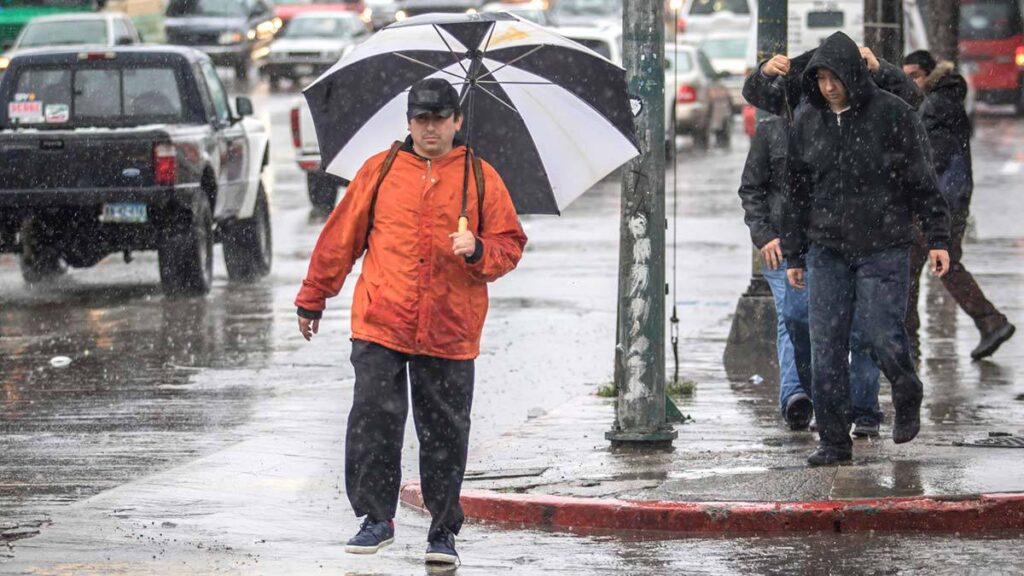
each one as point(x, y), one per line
point(942, 18)
point(640, 334)
point(751, 348)
point(883, 29)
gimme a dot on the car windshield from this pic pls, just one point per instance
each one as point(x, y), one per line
point(588, 7)
point(989, 20)
point(64, 32)
point(725, 48)
point(322, 27)
point(95, 96)
point(682, 56)
point(206, 8)
point(708, 7)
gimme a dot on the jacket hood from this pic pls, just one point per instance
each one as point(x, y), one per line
point(946, 80)
point(839, 53)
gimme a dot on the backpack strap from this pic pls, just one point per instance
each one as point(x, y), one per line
point(384, 169)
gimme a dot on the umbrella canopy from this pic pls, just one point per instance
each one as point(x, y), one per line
point(550, 115)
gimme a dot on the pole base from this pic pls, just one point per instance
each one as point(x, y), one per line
point(650, 439)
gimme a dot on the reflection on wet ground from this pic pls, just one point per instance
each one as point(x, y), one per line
point(125, 405)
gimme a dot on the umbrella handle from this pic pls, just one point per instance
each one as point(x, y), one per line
point(463, 224)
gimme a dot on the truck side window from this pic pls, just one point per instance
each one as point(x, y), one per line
point(217, 93)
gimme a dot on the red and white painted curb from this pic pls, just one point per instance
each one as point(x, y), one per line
point(939, 514)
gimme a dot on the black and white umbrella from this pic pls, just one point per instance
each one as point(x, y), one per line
point(550, 115)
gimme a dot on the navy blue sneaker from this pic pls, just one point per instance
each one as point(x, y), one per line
point(372, 536)
point(441, 549)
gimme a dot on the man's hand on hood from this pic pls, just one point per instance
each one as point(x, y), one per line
point(777, 66)
point(870, 58)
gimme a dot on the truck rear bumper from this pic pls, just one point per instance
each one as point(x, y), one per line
point(77, 197)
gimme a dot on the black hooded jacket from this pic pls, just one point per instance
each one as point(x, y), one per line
point(949, 132)
point(857, 179)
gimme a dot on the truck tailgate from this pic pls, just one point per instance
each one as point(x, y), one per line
point(83, 159)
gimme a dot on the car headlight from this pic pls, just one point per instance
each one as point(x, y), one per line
point(367, 15)
point(4, 62)
point(400, 15)
point(470, 10)
point(232, 37)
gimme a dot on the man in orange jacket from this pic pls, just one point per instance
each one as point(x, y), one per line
point(417, 312)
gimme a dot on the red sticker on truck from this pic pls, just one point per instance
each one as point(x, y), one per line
point(25, 111)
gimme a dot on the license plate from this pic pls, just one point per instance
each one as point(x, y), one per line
point(303, 69)
point(124, 213)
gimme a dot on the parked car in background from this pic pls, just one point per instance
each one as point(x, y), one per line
point(704, 16)
point(288, 9)
point(381, 12)
point(232, 32)
point(992, 50)
point(124, 149)
point(407, 8)
point(98, 29)
point(533, 11)
point(579, 13)
point(311, 43)
point(605, 39)
point(732, 56)
point(699, 101)
point(321, 186)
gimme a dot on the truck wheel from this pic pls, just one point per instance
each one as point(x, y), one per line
point(248, 248)
point(323, 190)
point(185, 252)
point(242, 70)
point(40, 258)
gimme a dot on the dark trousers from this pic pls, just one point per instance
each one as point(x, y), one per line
point(958, 282)
point(871, 290)
point(442, 395)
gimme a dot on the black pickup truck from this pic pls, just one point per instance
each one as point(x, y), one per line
point(125, 149)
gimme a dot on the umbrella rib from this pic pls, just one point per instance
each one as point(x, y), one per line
point(432, 67)
point(502, 102)
point(518, 83)
point(450, 50)
point(509, 63)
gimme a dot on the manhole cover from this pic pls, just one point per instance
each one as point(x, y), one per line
point(996, 442)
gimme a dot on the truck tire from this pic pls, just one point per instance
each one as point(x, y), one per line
point(40, 258)
point(242, 70)
point(323, 190)
point(185, 252)
point(248, 247)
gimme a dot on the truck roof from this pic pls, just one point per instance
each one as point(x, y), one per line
point(70, 54)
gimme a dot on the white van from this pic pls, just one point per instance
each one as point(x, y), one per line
point(811, 21)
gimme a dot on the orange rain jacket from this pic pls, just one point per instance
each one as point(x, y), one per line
point(414, 294)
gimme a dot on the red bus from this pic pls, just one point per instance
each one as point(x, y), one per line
point(992, 50)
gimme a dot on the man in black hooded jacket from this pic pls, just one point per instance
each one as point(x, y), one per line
point(860, 172)
point(949, 132)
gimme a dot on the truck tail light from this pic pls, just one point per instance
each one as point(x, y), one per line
point(165, 164)
point(1018, 56)
point(296, 138)
point(686, 94)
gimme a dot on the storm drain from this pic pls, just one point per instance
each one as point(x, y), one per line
point(995, 442)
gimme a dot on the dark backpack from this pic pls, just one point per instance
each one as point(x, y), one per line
point(478, 176)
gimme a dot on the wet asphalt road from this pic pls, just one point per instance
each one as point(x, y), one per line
point(156, 384)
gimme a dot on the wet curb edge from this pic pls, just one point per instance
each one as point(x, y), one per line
point(940, 514)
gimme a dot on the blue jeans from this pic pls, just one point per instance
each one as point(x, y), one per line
point(794, 349)
point(870, 291)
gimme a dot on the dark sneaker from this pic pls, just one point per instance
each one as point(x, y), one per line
point(906, 425)
point(441, 549)
point(865, 430)
point(799, 411)
point(991, 341)
point(372, 536)
point(828, 456)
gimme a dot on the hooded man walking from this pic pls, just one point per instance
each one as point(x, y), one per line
point(949, 132)
point(417, 312)
point(860, 172)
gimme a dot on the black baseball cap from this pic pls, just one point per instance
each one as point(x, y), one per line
point(432, 95)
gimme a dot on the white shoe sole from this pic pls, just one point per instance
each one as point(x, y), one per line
point(438, 558)
point(367, 549)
